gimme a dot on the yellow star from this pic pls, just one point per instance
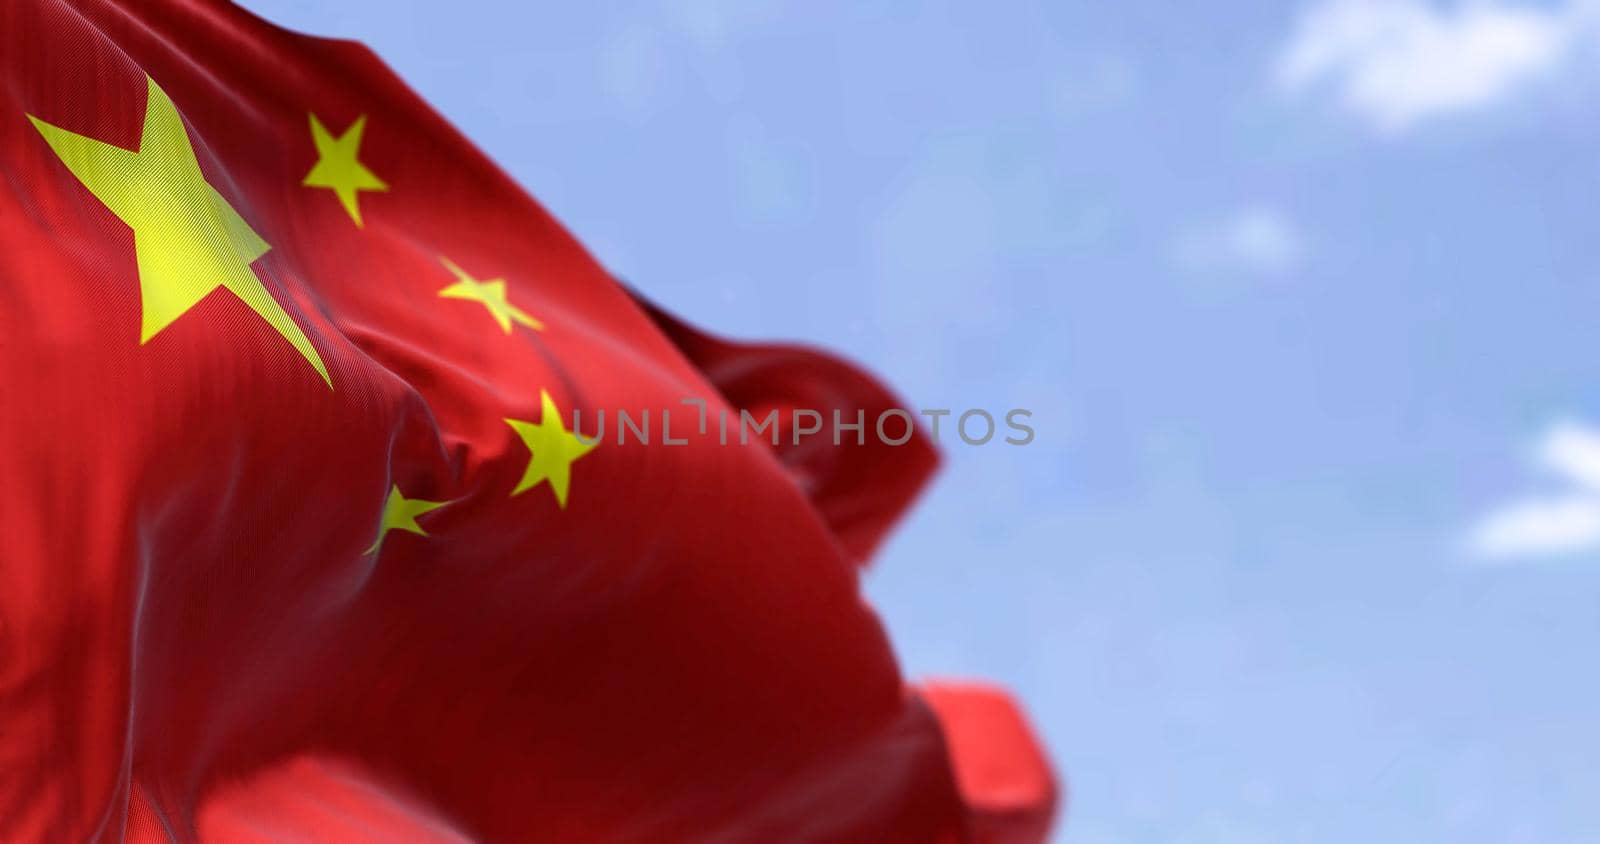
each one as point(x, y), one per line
point(554, 450)
point(400, 513)
point(492, 295)
point(187, 239)
point(337, 167)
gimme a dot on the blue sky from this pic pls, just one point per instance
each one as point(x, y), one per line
point(1302, 295)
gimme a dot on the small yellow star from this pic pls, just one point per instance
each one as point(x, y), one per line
point(337, 167)
point(400, 513)
point(553, 447)
point(188, 241)
point(491, 294)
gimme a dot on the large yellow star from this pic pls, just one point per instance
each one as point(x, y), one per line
point(554, 449)
point(337, 167)
point(491, 294)
point(400, 513)
point(187, 239)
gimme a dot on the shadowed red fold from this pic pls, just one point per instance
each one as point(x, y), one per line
point(860, 480)
point(295, 547)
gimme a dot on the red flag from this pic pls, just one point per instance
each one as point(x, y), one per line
point(300, 541)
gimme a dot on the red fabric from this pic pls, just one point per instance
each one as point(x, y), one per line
point(1004, 778)
point(195, 642)
point(859, 484)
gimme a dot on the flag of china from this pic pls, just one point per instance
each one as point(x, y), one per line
point(299, 540)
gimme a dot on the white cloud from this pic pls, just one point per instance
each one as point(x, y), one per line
point(1540, 527)
point(1396, 63)
point(1573, 450)
point(1254, 240)
point(1550, 525)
